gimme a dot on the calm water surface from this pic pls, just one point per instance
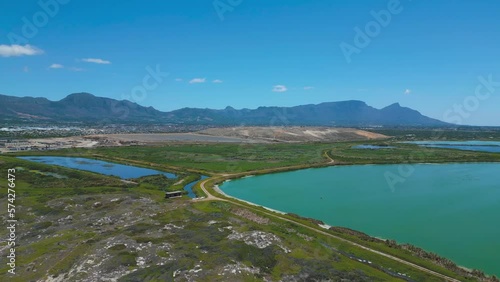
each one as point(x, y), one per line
point(189, 186)
point(480, 146)
point(102, 167)
point(449, 209)
point(107, 168)
point(372, 147)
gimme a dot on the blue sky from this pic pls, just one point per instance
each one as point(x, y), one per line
point(249, 53)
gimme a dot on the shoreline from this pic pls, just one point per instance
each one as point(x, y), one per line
point(217, 189)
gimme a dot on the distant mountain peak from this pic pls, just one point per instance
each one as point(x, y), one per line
point(80, 94)
point(394, 105)
point(350, 102)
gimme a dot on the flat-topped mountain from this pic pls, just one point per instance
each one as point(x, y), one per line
point(85, 107)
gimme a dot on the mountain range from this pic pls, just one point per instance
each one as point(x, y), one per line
point(85, 107)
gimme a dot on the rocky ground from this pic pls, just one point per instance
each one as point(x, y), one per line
point(130, 237)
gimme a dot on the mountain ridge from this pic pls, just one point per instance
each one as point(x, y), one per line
point(86, 107)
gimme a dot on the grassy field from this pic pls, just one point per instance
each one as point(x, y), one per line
point(460, 133)
point(210, 157)
point(405, 153)
point(235, 158)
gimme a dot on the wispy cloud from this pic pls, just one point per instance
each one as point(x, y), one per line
point(217, 81)
point(59, 66)
point(26, 69)
point(308, 87)
point(19, 50)
point(178, 79)
point(56, 66)
point(75, 69)
point(408, 91)
point(96, 61)
point(279, 88)
point(197, 80)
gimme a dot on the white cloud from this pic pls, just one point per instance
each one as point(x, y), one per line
point(96, 61)
point(197, 80)
point(408, 91)
point(217, 81)
point(178, 79)
point(19, 50)
point(279, 88)
point(59, 66)
point(56, 66)
point(308, 87)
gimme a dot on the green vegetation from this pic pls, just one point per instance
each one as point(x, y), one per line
point(460, 134)
point(179, 185)
point(208, 157)
point(125, 259)
point(405, 153)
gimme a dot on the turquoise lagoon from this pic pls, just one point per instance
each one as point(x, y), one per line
point(450, 209)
